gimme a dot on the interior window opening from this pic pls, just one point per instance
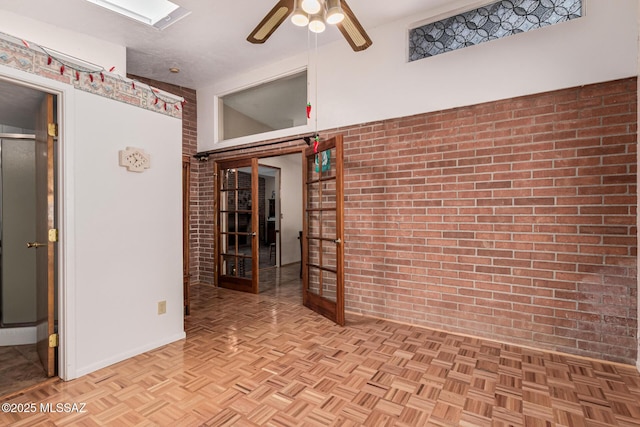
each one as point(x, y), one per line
point(275, 105)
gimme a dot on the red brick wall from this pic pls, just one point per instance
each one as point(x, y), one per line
point(202, 227)
point(512, 220)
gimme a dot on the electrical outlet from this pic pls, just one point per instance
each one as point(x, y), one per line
point(162, 307)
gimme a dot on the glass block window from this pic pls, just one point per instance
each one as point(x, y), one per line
point(494, 21)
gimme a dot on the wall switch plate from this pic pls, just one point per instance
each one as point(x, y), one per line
point(162, 307)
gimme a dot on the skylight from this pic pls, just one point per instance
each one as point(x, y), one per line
point(157, 13)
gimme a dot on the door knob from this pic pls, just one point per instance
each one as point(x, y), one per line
point(35, 245)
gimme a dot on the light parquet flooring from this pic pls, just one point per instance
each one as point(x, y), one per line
point(264, 360)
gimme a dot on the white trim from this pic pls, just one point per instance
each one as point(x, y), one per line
point(66, 253)
point(129, 354)
point(281, 133)
point(66, 225)
point(259, 82)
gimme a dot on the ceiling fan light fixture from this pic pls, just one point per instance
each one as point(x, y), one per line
point(299, 17)
point(316, 24)
point(335, 15)
point(311, 6)
point(335, 12)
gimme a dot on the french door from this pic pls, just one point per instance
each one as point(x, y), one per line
point(237, 225)
point(323, 237)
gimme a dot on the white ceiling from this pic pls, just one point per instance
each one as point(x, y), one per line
point(210, 44)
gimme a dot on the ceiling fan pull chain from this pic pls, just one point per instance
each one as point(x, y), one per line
point(308, 67)
point(316, 88)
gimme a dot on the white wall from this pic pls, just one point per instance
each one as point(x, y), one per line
point(290, 204)
point(120, 246)
point(128, 232)
point(269, 188)
point(90, 49)
point(379, 83)
point(236, 123)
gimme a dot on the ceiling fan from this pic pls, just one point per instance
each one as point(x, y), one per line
point(314, 13)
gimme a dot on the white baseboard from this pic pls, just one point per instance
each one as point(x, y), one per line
point(81, 371)
point(18, 336)
point(638, 364)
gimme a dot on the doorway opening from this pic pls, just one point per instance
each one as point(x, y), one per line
point(269, 218)
point(28, 288)
point(241, 207)
point(269, 211)
point(285, 202)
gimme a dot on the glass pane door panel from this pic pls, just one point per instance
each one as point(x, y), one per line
point(314, 252)
point(329, 253)
point(314, 281)
point(329, 288)
point(314, 195)
point(328, 192)
point(228, 179)
point(328, 224)
point(314, 218)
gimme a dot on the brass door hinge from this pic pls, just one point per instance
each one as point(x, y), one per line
point(53, 340)
point(52, 129)
point(53, 235)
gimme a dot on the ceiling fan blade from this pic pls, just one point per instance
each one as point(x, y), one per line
point(352, 30)
point(271, 22)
